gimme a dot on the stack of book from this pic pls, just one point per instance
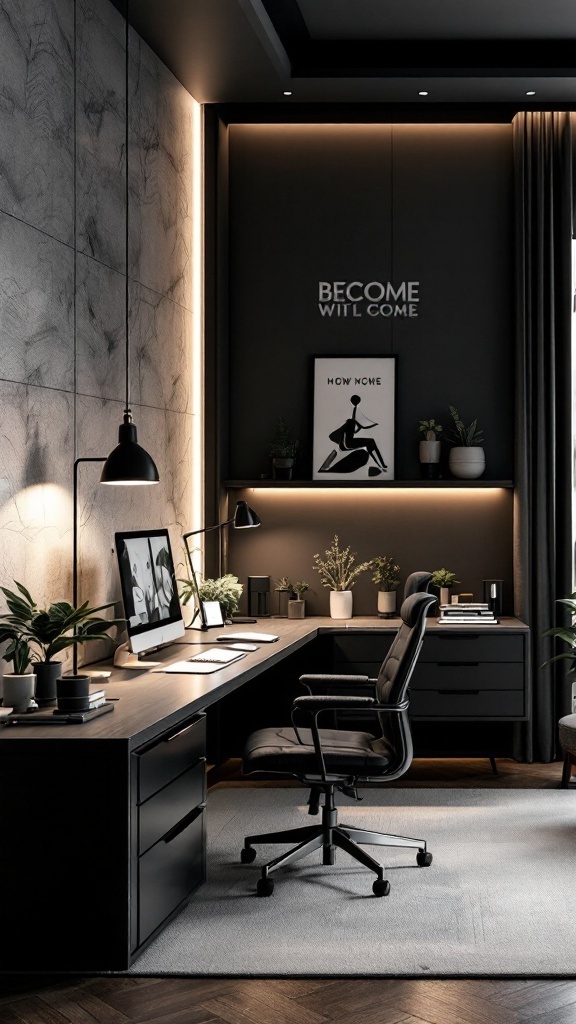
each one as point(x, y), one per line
point(465, 614)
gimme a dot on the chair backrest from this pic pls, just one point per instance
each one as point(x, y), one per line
point(417, 583)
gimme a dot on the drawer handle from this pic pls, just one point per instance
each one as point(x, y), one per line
point(458, 664)
point(182, 732)
point(462, 692)
point(183, 824)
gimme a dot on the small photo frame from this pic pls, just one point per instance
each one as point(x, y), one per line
point(354, 418)
point(211, 613)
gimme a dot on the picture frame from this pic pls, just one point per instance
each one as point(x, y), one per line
point(211, 613)
point(354, 418)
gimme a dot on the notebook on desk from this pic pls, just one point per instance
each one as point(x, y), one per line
point(205, 661)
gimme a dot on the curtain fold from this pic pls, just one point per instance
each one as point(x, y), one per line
point(543, 549)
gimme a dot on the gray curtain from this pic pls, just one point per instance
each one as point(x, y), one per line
point(543, 459)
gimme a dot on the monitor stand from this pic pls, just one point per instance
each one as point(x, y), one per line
point(124, 658)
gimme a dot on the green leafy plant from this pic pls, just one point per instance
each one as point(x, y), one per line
point(225, 589)
point(19, 653)
point(567, 634)
point(384, 572)
point(300, 588)
point(48, 631)
point(337, 571)
point(283, 445)
point(443, 578)
point(430, 429)
point(464, 436)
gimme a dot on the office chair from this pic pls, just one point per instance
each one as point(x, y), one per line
point(332, 759)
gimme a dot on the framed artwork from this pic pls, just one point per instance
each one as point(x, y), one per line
point(211, 613)
point(354, 418)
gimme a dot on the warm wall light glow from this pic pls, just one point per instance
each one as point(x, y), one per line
point(197, 499)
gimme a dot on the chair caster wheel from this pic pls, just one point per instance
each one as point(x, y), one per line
point(423, 859)
point(265, 887)
point(247, 854)
point(381, 887)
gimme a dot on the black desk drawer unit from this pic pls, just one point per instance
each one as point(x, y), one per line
point(462, 676)
point(171, 839)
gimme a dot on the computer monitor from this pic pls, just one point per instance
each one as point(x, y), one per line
point(149, 593)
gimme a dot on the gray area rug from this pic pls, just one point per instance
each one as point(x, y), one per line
point(498, 900)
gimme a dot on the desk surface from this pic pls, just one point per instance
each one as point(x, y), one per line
point(147, 701)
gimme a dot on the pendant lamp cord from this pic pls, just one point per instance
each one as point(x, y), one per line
point(127, 297)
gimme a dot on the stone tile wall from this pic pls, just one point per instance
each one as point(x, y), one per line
point(63, 294)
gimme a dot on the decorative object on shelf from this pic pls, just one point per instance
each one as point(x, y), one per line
point(49, 631)
point(444, 580)
point(297, 605)
point(493, 592)
point(338, 572)
point(429, 449)
point(18, 687)
point(467, 459)
point(283, 450)
point(354, 416)
point(387, 576)
point(244, 518)
point(227, 590)
point(284, 589)
point(258, 596)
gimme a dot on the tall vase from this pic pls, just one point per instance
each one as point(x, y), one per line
point(341, 604)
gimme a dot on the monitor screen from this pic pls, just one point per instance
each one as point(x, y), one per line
point(149, 591)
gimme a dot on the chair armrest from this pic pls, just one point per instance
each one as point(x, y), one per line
point(325, 703)
point(324, 680)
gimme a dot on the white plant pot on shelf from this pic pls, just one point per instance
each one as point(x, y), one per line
point(386, 603)
point(18, 691)
point(467, 462)
point(341, 604)
point(430, 451)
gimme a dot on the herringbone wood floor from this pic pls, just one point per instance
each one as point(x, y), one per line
point(104, 1000)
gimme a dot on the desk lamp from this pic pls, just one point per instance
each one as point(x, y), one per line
point(244, 518)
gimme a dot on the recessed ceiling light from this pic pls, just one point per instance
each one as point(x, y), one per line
point(287, 92)
point(531, 92)
point(422, 93)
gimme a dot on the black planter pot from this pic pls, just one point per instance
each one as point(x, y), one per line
point(73, 693)
point(47, 672)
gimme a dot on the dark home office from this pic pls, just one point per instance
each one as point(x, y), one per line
point(287, 531)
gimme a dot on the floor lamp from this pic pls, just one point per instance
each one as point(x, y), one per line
point(128, 464)
point(244, 518)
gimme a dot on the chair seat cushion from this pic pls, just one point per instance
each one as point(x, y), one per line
point(567, 732)
point(347, 753)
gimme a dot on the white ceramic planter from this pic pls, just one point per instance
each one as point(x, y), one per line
point(467, 463)
point(341, 604)
point(444, 595)
point(430, 451)
point(18, 691)
point(386, 603)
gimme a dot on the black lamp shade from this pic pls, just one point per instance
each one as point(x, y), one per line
point(129, 463)
point(245, 517)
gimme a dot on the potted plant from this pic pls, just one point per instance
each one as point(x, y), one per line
point(283, 588)
point(338, 572)
point(283, 450)
point(387, 576)
point(444, 580)
point(467, 460)
point(297, 605)
point(429, 449)
point(49, 631)
point(18, 687)
point(225, 589)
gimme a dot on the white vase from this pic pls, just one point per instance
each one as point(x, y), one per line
point(467, 462)
point(444, 595)
point(430, 451)
point(386, 603)
point(18, 691)
point(341, 604)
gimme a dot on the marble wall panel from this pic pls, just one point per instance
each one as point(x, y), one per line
point(36, 306)
point(100, 331)
point(100, 44)
point(36, 113)
point(36, 439)
point(160, 351)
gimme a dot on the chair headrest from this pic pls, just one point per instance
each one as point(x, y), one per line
point(417, 582)
point(415, 606)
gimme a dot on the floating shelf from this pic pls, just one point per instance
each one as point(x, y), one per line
point(372, 484)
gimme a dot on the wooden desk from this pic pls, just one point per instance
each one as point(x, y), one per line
point(101, 825)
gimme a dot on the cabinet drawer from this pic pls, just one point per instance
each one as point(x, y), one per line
point(472, 647)
point(358, 649)
point(169, 872)
point(170, 756)
point(172, 803)
point(468, 676)
point(467, 704)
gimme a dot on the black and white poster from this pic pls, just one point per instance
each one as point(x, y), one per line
point(354, 417)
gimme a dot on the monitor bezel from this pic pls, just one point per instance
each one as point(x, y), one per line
point(148, 635)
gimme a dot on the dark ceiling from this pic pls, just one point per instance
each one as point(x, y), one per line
point(366, 51)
